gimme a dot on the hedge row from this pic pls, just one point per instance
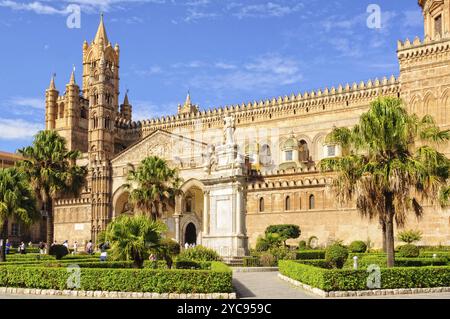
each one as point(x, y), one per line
point(365, 261)
point(310, 254)
point(218, 279)
point(344, 280)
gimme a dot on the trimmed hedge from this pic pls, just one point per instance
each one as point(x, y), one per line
point(344, 280)
point(218, 279)
point(310, 254)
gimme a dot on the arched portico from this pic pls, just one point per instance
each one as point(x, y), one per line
point(191, 209)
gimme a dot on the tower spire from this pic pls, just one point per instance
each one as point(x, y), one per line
point(52, 85)
point(125, 100)
point(101, 32)
point(188, 99)
point(72, 76)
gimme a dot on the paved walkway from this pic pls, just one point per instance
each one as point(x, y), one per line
point(266, 285)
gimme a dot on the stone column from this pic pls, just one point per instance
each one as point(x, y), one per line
point(206, 209)
point(239, 213)
point(177, 229)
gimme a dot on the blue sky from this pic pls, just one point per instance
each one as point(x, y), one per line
point(224, 52)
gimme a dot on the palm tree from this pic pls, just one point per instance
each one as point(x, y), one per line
point(387, 166)
point(16, 201)
point(156, 183)
point(52, 172)
point(131, 237)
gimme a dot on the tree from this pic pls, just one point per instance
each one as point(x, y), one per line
point(16, 201)
point(410, 236)
point(387, 166)
point(132, 237)
point(284, 231)
point(152, 184)
point(52, 172)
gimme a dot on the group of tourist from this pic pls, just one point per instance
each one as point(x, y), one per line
point(21, 249)
point(187, 246)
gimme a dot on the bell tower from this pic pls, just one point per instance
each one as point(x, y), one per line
point(436, 15)
point(425, 66)
point(101, 88)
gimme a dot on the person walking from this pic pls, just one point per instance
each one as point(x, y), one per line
point(75, 247)
point(7, 247)
point(22, 248)
point(42, 248)
point(89, 247)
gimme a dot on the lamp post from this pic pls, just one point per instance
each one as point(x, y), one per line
point(355, 262)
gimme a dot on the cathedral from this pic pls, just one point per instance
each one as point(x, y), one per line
point(244, 167)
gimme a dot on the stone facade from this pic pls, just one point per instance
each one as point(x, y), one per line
point(244, 166)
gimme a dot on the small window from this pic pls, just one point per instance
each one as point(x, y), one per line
point(261, 205)
point(15, 230)
point(83, 113)
point(312, 203)
point(438, 25)
point(289, 155)
point(331, 150)
point(189, 204)
point(287, 203)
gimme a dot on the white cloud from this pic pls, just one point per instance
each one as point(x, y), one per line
point(36, 7)
point(412, 18)
point(52, 7)
point(17, 129)
point(145, 110)
point(269, 9)
point(31, 102)
point(264, 72)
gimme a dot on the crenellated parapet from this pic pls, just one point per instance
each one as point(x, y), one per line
point(320, 101)
point(73, 201)
point(418, 49)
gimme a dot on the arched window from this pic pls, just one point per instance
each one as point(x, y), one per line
point(61, 111)
point(261, 205)
point(311, 202)
point(83, 113)
point(287, 203)
point(303, 151)
point(188, 204)
point(265, 155)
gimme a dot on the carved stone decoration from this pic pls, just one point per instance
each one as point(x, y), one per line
point(229, 129)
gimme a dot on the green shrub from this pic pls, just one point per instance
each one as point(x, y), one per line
point(302, 245)
point(171, 246)
point(409, 251)
point(358, 246)
point(262, 244)
point(336, 255)
point(283, 253)
point(311, 254)
point(284, 232)
point(218, 279)
point(268, 260)
point(199, 253)
point(59, 251)
point(344, 280)
point(409, 236)
point(186, 264)
point(251, 261)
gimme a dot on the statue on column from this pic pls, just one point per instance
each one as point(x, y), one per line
point(228, 130)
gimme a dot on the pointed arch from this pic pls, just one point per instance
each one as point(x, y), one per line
point(430, 105)
point(444, 107)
